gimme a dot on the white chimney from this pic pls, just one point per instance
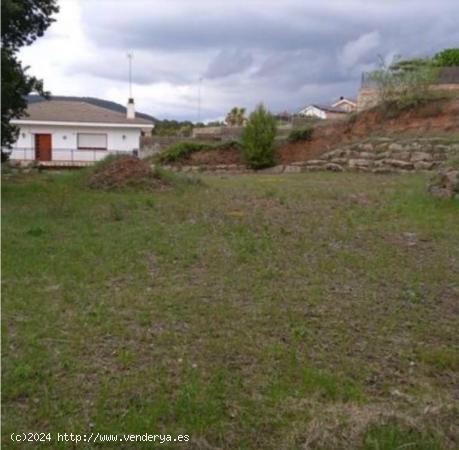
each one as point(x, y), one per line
point(130, 110)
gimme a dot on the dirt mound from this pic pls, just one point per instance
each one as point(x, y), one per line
point(125, 172)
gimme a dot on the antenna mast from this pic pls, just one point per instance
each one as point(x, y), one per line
point(199, 99)
point(130, 55)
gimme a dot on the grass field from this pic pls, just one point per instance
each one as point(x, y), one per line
point(310, 311)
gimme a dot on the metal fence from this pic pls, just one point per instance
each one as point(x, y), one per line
point(446, 75)
point(64, 155)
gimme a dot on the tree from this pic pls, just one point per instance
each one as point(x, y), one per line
point(258, 138)
point(447, 57)
point(236, 117)
point(23, 21)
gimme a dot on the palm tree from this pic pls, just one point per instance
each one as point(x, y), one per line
point(236, 117)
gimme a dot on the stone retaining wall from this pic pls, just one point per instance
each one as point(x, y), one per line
point(387, 155)
point(379, 155)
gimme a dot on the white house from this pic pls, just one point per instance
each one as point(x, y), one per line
point(322, 112)
point(345, 104)
point(334, 111)
point(75, 132)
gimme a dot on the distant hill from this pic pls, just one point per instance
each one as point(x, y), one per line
point(94, 101)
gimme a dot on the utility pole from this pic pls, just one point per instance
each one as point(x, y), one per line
point(199, 99)
point(130, 56)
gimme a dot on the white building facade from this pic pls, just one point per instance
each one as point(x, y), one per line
point(74, 140)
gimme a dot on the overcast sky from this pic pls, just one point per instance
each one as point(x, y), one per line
point(286, 53)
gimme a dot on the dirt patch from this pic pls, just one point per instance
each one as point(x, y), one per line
point(214, 157)
point(436, 117)
point(125, 172)
point(324, 138)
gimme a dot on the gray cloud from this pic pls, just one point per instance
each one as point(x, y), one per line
point(286, 54)
point(228, 62)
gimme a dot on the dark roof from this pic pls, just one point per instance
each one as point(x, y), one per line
point(353, 100)
point(81, 109)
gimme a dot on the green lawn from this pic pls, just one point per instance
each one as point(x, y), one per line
point(310, 311)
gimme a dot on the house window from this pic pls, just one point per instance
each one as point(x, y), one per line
point(92, 141)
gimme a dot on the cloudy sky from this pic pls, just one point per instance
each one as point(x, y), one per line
point(285, 53)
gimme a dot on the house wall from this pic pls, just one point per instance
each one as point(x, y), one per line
point(334, 115)
point(345, 106)
point(64, 142)
point(313, 112)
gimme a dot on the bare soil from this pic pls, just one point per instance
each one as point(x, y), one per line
point(214, 157)
point(125, 172)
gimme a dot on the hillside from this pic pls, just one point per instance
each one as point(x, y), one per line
point(436, 118)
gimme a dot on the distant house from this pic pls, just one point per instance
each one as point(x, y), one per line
point(345, 104)
point(322, 112)
point(74, 132)
point(334, 111)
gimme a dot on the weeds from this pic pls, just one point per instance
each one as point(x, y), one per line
point(182, 150)
point(301, 134)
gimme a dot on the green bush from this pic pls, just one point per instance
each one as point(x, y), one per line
point(447, 58)
point(228, 145)
point(301, 134)
point(182, 150)
point(179, 151)
point(258, 139)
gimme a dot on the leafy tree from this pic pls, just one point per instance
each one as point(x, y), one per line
point(446, 58)
point(23, 21)
point(236, 117)
point(215, 123)
point(258, 139)
point(172, 128)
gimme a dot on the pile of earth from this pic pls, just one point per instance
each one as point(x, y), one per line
point(126, 172)
point(214, 157)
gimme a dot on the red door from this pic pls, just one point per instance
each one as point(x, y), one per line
point(43, 147)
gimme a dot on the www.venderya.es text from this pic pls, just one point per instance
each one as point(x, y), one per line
point(97, 437)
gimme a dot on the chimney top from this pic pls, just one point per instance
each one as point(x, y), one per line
point(130, 109)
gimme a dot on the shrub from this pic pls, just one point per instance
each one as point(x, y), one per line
point(447, 58)
point(180, 151)
point(301, 134)
point(228, 145)
point(258, 139)
point(405, 84)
